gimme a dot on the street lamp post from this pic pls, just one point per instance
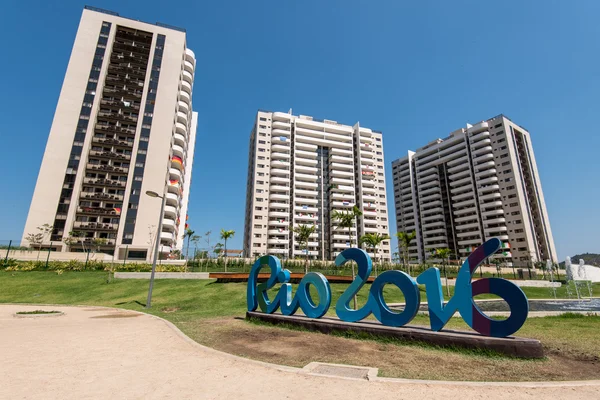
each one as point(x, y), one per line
point(156, 247)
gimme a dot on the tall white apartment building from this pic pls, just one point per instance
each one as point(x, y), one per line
point(300, 171)
point(123, 126)
point(480, 182)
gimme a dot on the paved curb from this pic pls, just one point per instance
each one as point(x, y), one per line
point(300, 371)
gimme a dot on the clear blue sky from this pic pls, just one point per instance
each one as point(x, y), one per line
point(414, 70)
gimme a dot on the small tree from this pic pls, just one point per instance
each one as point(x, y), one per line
point(97, 243)
point(303, 233)
point(225, 235)
point(188, 234)
point(373, 240)
point(35, 241)
point(404, 240)
point(444, 254)
point(346, 219)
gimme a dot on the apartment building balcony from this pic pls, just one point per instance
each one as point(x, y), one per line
point(304, 192)
point(364, 153)
point(280, 148)
point(172, 199)
point(181, 129)
point(367, 213)
point(280, 179)
point(481, 143)
point(280, 133)
point(110, 141)
point(188, 67)
point(434, 239)
point(483, 158)
point(276, 205)
point(339, 229)
point(171, 211)
point(188, 77)
point(174, 187)
point(433, 224)
point(301, 160)
point(306, 217)
point(279, 197)
point(468, 218)
point(280, 155)
point(186, 87)
point(341, 174)
point(342, 181)
point(371, 229)
point(461, 182)
point(305, 185)
point(342, 196)
point(283, 214)
point(460, 160)
point(282, 171)
point(175, 174)
point(305, 200)
point(185, 97)
point(342, 152)
point(183, 107)
point(342, 204)
point(489, 196)
point(168, 224)
point(95, 226)
point(479, 127)
point(281, 140)
point(458, 168)
point(436, 231)
point(340, 159)
point(368, 197)
point(321, 141)
point(279, 188)
point(303, 252)
point(502, 237)
point(500, 220)
point(462, 189)
point(492, 213)
point(180, 140)
point(369, 190)
point(277, 251)
point(470, 242)
point(426, 171)
point(277, 124)
point(338, 236)
point(279, 222)
point(460, 174)
point(434, 246)
point(367, 161)
point(485, 172)
point(312, 177)
point(426, 192)
point(485, 181)
point(431, 197)
point(343, 189)
point(470, 225)
point(101, 196)
point(467, 210)
point(488, 188)
point(279, 232)
point(104, 182)
point(278, 241)
point(111, 155)
point(167, 236)
point(281, 163)
point(433, 217)
point(497, 230)
point(306, 209)
point(368, 183)
point(178, 151)
point(482, 150)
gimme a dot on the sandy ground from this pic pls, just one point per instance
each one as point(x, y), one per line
point(97, 353)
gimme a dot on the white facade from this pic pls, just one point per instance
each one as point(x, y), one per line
point(479, 182)
point(123, 126)
point(300, 171)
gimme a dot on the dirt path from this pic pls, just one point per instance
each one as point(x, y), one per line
point(101, 353)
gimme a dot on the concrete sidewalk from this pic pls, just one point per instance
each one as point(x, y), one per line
point(99, 353)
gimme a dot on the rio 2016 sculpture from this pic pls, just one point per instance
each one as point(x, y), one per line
point(439, 314)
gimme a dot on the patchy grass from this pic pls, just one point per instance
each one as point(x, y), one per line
point(212, 314)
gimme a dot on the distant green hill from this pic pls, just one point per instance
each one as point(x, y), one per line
point(588, 259)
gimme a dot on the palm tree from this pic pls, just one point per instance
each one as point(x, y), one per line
point(444, 254)
point(303, 233)
point(346, 219)
point(372, 240)
point(404, 240)
point(188, 234)
point(226, 235)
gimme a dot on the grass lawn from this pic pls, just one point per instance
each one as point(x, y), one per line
point(211, 313)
